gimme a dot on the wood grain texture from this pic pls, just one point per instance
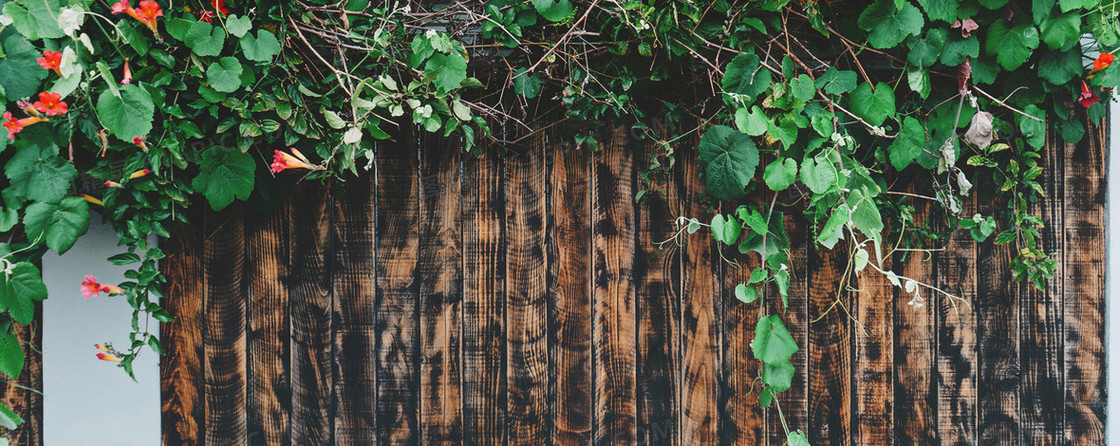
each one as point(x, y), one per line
point(353, 322)
point(1042, 398)
point(1083, 294)
point(657, 280)
point(700, 332)
point(873, 361)
point(22, 396)
point(267, 270)
point(310, 294)
point(795, 401)
point(398, 300)
point(441, 292)
point(183, 404)
point(226, 366)
point(830, 379)
point(956, 338)
point(569, 243)
point(741, 418)
point(915, 346)
point(527, 360)
point(484, 271)
point(999, 377)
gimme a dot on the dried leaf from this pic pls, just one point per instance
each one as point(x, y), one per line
point(967, 26)
point(979, 131)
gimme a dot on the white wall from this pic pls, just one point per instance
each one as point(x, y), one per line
point(88, 402)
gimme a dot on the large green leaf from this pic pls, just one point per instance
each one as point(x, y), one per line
point(20, 74)
point(129, 115)
point(1060, 32)
point(956, 50)
point(224, 174)
point(1033, 131)
point(887, 25)
point(819, 174)
point(554, 10)
point(873, 105)
point(11, 356)
point(924, 51)
point(38, 173)
point(835, 81)
point(745, 76)
point(1011, 45)
point(35, 19)
point(909, 144)
point(447, 71)
point(224, 75)
point(729, 159)
point(205, 39)
point(19, 292)
point(238, 26)
point(772, 343)
point(780, 174)
point(261, 48)
point(943, 10)
point(1060, 67)
point(59, 225)
point(865, 213)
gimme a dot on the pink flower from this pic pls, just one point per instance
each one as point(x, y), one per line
point(282, 160)
point(1087, 98)
point(108, 357)
point(90, 288)
point(127, 74)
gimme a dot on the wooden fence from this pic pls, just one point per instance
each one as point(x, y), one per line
point(521, 299)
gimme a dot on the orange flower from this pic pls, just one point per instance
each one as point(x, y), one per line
point(50, 103)
point(127, 74)
point(149, 10)
point(139, 173)
point(282, 160)
point(112, 184)
point(139, 142)
point(16, 125)
point(147, 13)
point(1103, 61)
point(51, 60)
point(92, 200)
point(108, 357)
point(102, 348)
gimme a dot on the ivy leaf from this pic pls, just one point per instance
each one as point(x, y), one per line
point(20, 74)
point(1058, 68)
point(803, 87)
point(554, 10)
point(177, 27)
point(224, 174)
point(753, 123)
point(873, 105)
point(797, 438)
point(1011, 46)
point(19, 292)
point(38, 173)
point(835, 81)
point(261, 48)
point(956, 50)
point(778, 377)
point(11, 356)
point(918, 80)
point(865, 213)
point(59, 225)
point(746, 294)
point(528, 85)
point(1102, 21)
point(1070, 5)
point(772, 343)
point(746, 77)
point(224, 75)
point(729, 159)
point(888, 25)
point(924, 52)
point(944, 10)
point(726, 230)
point(204, 39)
point(819, 174)
point(909, 144)
point(238, 26)
point(1033, 131)
point(129, 115)
point(784, 131)
point(780, 174)
point(447, 71)
point(35, 19)
point(1061, 32)
point(833, 229)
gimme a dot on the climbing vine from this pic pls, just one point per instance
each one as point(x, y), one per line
point(140, 110)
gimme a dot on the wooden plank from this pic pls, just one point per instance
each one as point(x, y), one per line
point(225, 343)
point(700, 341)
point(183, 403)
point(873, 360)
point(1083, 294)
point(18, 396)
point(956, 341)
point(569, 233)
point(794, 402)
point(657, 280)
point(915, 346)
point(354, 314)
point(830, 380)
point(742, 420)
point(441, 292)
point(398, 243)
point(484, 270)
point(997, 303)
point(267, 270)
point(613, 325)
point(309, 291)
point(1042, 398)
point(527, 295)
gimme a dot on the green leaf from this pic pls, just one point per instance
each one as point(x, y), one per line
point(726, 230)
point(909, 144)
point(819, 174)
point(59, 225)
point(873, 105)
point(447, 71)
point(1061, 31)
point(924, 52)
point(1033, 131)
point(129, 115)
point(132, 36)
point(745, 76)
point(9, 419)
point(803, 87)
point(778, 377)
point(35, 19)
point(785, 131)
point(554, 10)
point(797, 438)
point(943, 10)
point(1011, 46)
point(528, 85)
point(918, 81)
point(224, 174)
point(224, 75)
point(1070, 5)
point(753, 123)
point(19, 292)
point(204, 39)
point(177, 27)
point(833, 229)
point(261, 48)
point(835, 81)
point(238, 26)
point(772, 343)
point(780, 174)
point(38, 173)
point(729, 159)
point(124, 258)
point(746, 294)
point(20, 74)
point(956, 50)
point(865, 214)
point(11, 356)
point(1058, 68)
point(887, 25)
